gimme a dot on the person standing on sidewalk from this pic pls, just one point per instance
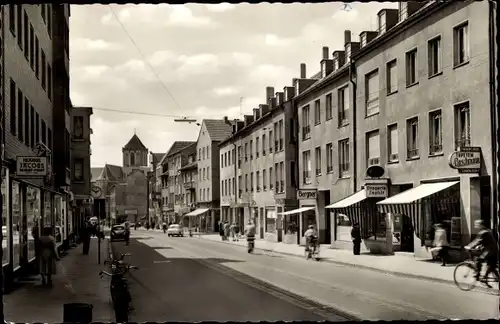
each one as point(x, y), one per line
point(441, 243)
point(85, 235)
point(236, 231)
point(48, 256)
point(226, 230)
point(356, 239)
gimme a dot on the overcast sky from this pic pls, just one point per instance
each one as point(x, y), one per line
point(206, 56)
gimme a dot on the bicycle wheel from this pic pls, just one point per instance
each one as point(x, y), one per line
point(464, 271)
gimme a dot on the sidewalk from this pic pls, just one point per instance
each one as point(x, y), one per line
point(392, 264)
point(77, 281)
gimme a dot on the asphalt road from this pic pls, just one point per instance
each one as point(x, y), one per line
point(363, 293)
point(179, 288)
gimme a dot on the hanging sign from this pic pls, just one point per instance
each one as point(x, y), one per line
point(31, 166)
point(376, 190)
point(467, 160)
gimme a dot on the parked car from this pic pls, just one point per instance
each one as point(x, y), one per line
point(175, 230)
point(117, 233)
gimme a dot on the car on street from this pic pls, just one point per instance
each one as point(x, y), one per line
point(175, 230)
point(117, 233)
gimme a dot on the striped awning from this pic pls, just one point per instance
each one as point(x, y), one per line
point(349, 201)
point(297, 211)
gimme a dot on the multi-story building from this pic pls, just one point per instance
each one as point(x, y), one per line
point(173, 207)
point(80, 163)
point(154, 183)
point(212, 132)
point(189, 180)
point(326, 142)
point(423, 126)
point(36, 105)
point(258, 169)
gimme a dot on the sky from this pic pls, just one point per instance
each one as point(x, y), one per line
point(196, 60)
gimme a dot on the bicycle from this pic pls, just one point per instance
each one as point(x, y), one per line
point(120, 294)
point(470, 268)
point(118, 264)
point(312, 250)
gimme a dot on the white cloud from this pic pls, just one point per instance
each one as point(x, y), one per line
point(269, 73)
point(159, 58)
point(109, 19)
point(77, 99)
point(87, 44)
point(274, 40)
point(198, 64)
point(183, 16)
point(225, 91)
point(91, 71)
point(244, 59)
point(220, 7)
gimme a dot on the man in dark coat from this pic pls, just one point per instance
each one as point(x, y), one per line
point(356, 239)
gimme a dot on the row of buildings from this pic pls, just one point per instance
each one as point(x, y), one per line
point(394, 133)
point(45, 141)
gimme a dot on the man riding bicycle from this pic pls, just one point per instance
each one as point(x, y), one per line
point(311, 236)
point(487, 243)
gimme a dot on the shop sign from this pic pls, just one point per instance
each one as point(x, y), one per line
point(31, 166)
point(376, 190)
point(467, 160)
point(307, 194)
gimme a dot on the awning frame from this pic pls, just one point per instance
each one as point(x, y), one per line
point(297, 211)
point(197, 212)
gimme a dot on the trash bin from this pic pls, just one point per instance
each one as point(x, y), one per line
point(77, 313)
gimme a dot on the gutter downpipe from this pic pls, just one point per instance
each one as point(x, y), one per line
point(353, 96)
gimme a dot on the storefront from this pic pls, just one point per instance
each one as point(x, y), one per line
point(271, 223)
point(5, 218)
point(198, 219)
point(296, 222)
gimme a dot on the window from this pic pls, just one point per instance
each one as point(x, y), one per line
point(372, 92)
point(43, 13)
point(317, 112)
point(462, 125)
point(12, 19)
point(412, 138)
point(32, 47)
point(263, 144)
point(49, 19)
point(344, 158)
point(434, 56)
point(20, 100)
point(32, 127)
point(239, 157)
point(317, 159)
point(26, 35)
point(208, 152)
point(270, 141)
point(276, 136)
point(281, 134)
point(306, 128)
point(329, 106)
point(240, 186)
point(264, 180)
point(203, 153)
point(199, 154)
point(271, 178)
point(246, 182)
point(78, 127)
point(293, 181)
point(251, 149)
point(306, 164)
point(44, 71)
point(49, 81)
point(381, 23)
point(251, 182)
point(343, 97)
point(392, 77)
point(461, 44)
point(222, 160)
point(13, 96)
point(347, 53)
point(392, 145)
point(435, 133)
point(20, 25)
point(282, 177)
point(403, 10)
point(335, 64)
point(411, 67)
point(37, 128)
point(257, 180)
point(329, 158)
point(37, 57)
point(78, 170)
point(27, 122)
point(373, 148)
point(257, 147)
point(246, 152)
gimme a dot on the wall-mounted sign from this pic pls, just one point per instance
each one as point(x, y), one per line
point(96, 192)
point(376, 190)
point(375, 171)
point(31, 166)
point(467, 160)
point(307, 194)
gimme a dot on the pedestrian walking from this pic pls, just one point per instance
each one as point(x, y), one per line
point(440, 243)
point(236, 231)
point(221, 230)
point(231, 229)
point(48, 256)
point(226, 230)
point(356, 239)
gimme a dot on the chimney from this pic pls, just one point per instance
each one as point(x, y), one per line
point(347, 36)
point(302, 70)
point(256, 114)
point(325, 52)
point(235, 128)
point(239, 125)
point(279, 98)
point(226, 120)
point(269, 93)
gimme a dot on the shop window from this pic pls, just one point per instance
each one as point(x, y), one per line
point(32, 218)
point(444, 208)
point(58, 209)
point(343, 227)
point(291, 223)
point(5, 221)
point(16, 223)
point(270, 221)
point(308, 218)
point(47, 216)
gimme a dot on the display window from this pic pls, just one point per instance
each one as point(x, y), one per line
point(58, 218)
point(5, 219)
point(32, 218)
point(270, 221)
point(17, 224)
point(47, 216)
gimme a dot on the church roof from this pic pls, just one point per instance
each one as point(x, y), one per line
point(135, 144)
point(218, 129)
point(111, 173)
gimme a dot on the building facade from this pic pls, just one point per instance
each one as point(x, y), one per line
point(325, 145)
point(258, 169)
point(155, 187)
point(35, 102)
point(212, 132)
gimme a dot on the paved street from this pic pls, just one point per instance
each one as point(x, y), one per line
point(186, 266)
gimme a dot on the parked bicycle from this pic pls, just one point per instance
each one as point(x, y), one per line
point(468, 270)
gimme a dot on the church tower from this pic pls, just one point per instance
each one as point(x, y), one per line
point(135, 154)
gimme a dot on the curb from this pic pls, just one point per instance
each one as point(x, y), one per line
point(387, 272)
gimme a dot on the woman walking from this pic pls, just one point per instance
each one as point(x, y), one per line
point(48, 256)
point(441, 243)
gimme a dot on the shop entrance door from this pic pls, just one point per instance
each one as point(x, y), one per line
point(407, 232)
point(328, 220)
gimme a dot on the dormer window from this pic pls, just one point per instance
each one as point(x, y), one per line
point(285, 93)
point(335, 64)
point(381, 23)
point(403, 11)
point(363, 39)
point(347, 52)
point(296, 87)
point(323, 69)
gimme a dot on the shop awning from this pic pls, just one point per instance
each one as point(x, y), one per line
point(197, 212)
point(349, 201)
point(414, 194)
point(297, 211)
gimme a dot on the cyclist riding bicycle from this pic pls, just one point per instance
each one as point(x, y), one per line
point(487, 243)
point(311, 236)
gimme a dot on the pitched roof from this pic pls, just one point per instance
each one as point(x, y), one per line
point(157, 157)
point(111, 173)
point(135, 144)
point(218, 129)
point(95, 172)
point(177, 146)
